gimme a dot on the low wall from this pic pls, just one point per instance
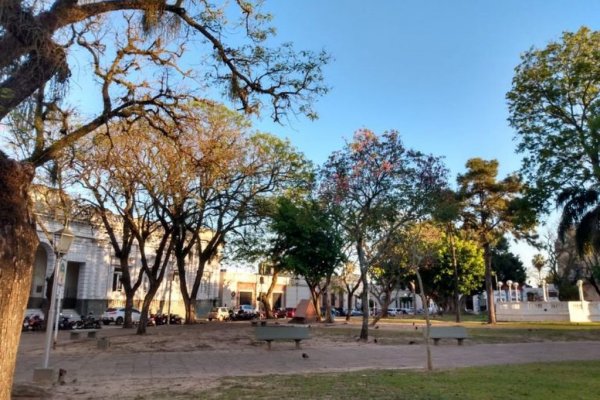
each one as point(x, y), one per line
point(572, 311)
point(584, 311)
point(532, 311)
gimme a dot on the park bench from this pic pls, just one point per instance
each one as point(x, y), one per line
point(91, 333)
point(269, 333)
point(448, 332)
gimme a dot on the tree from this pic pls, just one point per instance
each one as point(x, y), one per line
point(506, 264)
point(447, 213)
point(391, 270)
point(267, 167)
point(378, 185)
point(35, 43)
point(555, 108)
point(539, 262)
point(351, 282)
point(118, 166)
point(442, 280)
point(491, 210)
point(307, 243)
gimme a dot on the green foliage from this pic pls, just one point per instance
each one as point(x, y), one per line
point(554, 106)
point(439, 278)
point(489, 204)
point(306, 241)
point(506, 264)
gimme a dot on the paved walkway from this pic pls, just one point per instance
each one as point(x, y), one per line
point(100, 366)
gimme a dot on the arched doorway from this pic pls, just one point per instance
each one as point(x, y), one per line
point(43, 256)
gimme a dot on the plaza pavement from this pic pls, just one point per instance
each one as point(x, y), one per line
point(101, 366)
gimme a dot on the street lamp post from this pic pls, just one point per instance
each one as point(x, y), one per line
point(61, 242)
point(171, 279)
point(61, 276)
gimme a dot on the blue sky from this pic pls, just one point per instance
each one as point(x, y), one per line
point(437, 71)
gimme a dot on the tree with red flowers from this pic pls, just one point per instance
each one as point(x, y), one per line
point(379, 186)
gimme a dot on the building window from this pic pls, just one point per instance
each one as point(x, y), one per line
point(117, 285)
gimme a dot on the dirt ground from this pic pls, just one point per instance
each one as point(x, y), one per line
point(204, 337)
point(180, 359)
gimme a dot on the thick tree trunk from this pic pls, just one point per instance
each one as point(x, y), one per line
point(128, 323)
point(190, 312)
point(266, 297)
point(328, 317)
point(141, 329)
point(18, 243)
point(350, 307)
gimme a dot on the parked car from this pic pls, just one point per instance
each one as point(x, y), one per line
point(280, 313)
point(117, 315)
point(290, 312)
point(249, 310)
point(356, 313)
point(392, 312)
point(341, 312)
point(218, 313)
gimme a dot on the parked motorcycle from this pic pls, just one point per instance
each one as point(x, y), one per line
point(65, 323)
point(162, 319)
point(175, 319)
point(33, 323)
point(88, 322)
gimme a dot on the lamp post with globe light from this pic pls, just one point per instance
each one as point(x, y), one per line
point(61, 242)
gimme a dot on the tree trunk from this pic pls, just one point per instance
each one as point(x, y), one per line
point(128, 323)
point(328, 317)
point(189, 300)
point(18, 243)
point(364, 298)
point(455, 266)
point(489, 289)
point(427, 323)
point(350, 307)
point(267, 296)
point(141, 329)
point(351, 292)
point(315, 299)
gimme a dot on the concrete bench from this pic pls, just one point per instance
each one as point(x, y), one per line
point(282, 332)
point(448, 332)
point(91, 333)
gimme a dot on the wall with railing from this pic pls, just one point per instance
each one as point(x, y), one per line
point(572, 311)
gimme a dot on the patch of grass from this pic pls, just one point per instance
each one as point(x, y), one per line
point(572, 380)
point(513, 332)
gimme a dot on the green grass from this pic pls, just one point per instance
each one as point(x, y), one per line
point(513, 332)
point(565, 380)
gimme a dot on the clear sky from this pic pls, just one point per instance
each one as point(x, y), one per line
point(437, 71)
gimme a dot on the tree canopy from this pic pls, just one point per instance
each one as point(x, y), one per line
point(554, 106)
point(378, 186)
point(492, 208)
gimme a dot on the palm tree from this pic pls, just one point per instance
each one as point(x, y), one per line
point(581, 210)
point(538, 263)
